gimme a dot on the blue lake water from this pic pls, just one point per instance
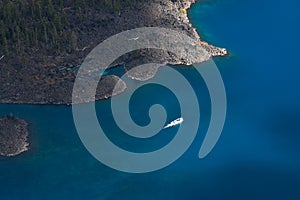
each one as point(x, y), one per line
point(257, 156)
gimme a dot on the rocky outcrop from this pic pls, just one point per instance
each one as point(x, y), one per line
point(13, 136)
point(171, 10)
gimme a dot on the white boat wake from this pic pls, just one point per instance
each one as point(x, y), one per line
point(174, 123)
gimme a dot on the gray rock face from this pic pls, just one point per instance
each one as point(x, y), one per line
point(13, 136)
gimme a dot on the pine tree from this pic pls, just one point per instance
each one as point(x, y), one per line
point(5, 47)
point(73, 41)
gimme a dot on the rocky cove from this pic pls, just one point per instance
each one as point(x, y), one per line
point(49, 79)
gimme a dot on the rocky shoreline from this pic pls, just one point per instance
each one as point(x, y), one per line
point(13, 136)
point(49, 80)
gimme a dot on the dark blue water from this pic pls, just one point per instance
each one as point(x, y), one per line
point(257, 156)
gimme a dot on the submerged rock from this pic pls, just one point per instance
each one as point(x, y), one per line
point(13, 136)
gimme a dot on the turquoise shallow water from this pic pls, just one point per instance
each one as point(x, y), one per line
point(257, 156)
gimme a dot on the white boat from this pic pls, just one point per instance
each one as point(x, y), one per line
point(174, 123)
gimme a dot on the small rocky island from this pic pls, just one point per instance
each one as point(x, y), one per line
point(13, 136)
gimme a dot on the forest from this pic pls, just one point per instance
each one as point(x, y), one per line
point(51, 26)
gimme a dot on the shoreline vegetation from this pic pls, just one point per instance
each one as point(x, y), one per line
point(43, 43)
